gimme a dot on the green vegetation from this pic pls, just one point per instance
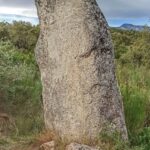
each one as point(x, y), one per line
point(20, 86)
point(133, 72)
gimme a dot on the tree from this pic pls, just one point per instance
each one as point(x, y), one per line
point(4, 34)
point(23, 35)
point(76, 59)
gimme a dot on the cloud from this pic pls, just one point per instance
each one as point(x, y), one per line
point(116, 11)
point(111, 8)
point(17, 3)
point(125, 8)
point(10, 18)
point(19, 11)
point(19, 7)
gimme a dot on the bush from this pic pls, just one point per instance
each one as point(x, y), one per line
point(20, 88)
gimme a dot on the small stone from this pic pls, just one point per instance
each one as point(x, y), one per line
point(48, 146)
point(7, 124)
point(76, 146)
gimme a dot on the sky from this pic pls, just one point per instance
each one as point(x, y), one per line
point(117, 12)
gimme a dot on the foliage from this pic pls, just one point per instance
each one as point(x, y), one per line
point(132, 47)
point(20, 86)
point(4, 33)
point(133, 72)
point(142, 139)
point(23, 35)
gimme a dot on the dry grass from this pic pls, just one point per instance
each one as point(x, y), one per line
point(45, 136)
point(60, 144)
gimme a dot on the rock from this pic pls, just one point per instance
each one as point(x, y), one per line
point(76, 60)
point(48, 146)
point(76, 146)
point(7, 125)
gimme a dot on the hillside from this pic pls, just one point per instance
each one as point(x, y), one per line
point(133, 27)
point(20, 86)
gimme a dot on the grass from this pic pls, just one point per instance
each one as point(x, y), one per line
point(135, 88)
point(20, 92)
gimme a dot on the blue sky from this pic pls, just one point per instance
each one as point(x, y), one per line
point(117, 12)
point(115, 22)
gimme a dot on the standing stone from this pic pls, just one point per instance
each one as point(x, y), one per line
point(76, 60)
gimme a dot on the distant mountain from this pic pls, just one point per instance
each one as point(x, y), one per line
point(10, 18)
point(132, 27)
point(34, 20)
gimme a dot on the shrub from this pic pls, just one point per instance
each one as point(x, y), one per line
point(20, 88)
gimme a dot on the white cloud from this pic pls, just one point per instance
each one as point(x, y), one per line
point(125, 8)
point(17, 3)
point(31, 12)
point(111, 8)
point(18, 7)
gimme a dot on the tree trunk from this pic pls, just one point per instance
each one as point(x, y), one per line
point(76, 60)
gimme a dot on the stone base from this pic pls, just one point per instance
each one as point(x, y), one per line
point(72, 146)
point(76, 146)
point(48, 146)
